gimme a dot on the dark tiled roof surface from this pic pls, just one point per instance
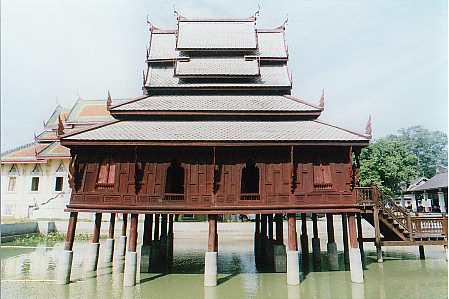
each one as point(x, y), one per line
point(437, 181)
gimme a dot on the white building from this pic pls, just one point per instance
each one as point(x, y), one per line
point(34, 177)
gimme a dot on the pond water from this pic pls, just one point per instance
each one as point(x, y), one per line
point(29, 272)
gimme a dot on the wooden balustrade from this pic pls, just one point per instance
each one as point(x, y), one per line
point(429, 226)
point(105, 186)
point(173, 196)
point(250, 196)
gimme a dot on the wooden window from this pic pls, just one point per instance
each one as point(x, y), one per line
point(35, 183)
point(250, 182)
point(322, 178)
point(12, 184)
point(106, 175)
point(59, 183)
point(174, 182)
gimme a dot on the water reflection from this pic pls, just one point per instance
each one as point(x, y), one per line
point(31, 272)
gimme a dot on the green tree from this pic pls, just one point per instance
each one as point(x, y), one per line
point(387, 163)
point(430, 147)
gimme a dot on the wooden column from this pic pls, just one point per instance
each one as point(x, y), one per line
point(212, 242)
point(132, 244)
point(304, 237)
point(352, 231)
point(292, 237)
point(147, 229)
point(216, 233)
point(422, 256)
point(97, 226)
point(315, 225)
point(111, 226)
point(263, 226)
point(270, 226)
point(279, 229)
point(344, 227)
point(330, 228)
point(164, 225)
point(257, 223)
point(170, 224)
point(360, 236)
point(124, 224)
point(377, 235)
point(70, 237)
point(156, 227)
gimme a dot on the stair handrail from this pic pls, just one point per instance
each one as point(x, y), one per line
point(387, 204)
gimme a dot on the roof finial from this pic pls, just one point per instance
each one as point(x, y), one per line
point(257, 13)
point(109, 101)
point(175, 12)
point(322, 99)
point(368, 129)
point(147, 53)
point(35, 137)
point(60, 126)
point(143, 78)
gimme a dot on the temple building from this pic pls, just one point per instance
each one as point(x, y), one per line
point(34, 176)
point(217, 131)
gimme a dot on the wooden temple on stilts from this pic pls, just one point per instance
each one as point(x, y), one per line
point(217, 131)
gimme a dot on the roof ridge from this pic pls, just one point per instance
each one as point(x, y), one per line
point(299, 100)
point(20, 147)
point(130, 101)
point(340, 128)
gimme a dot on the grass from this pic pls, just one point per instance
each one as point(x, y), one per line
point(48, 240)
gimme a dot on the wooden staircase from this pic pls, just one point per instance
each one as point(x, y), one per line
point(398, 226)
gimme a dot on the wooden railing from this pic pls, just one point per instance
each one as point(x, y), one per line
point(415, 226)
point(105, 186)
point(173, 196)
point(250, 196)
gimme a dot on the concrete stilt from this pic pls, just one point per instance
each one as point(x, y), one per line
point(66, 257)
point(109, 244)
point(316, 246)
point(344, 226)
point(279, 258)
point(210, 262)
point(130, 273)
point(355, 257)
point(119, 259)
point(94, 248)
point(292, 253)
point(422, 256)
point(332, 253)
point(145, 250)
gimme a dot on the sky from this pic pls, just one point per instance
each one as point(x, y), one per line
point(384, 58)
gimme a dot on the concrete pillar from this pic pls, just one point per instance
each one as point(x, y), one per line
point(119, 259)
point(66, 257)
point(332, 253)
point(316, 247)
point(344, 226)
point(210, 262)
point(355, 258)
point(304, 239)
point(422, 256)
point(94, 248)
point(130, 275)
point(292, 252)
point(145, 250)
point(413, 200)
point(109, 244)
point(441, 201)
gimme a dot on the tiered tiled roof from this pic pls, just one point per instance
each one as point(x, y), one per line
point(219, 68)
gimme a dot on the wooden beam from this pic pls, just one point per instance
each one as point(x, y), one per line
point(97, 225)
point(111, 226)
point(292, 237)
point(124, 224)
point(70, 237)
point(211, 244)
point(132, 244)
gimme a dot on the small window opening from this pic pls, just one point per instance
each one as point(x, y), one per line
point(35, 183)
point(59, 183)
